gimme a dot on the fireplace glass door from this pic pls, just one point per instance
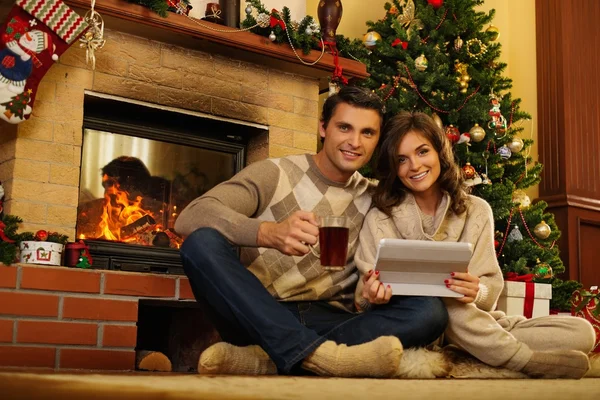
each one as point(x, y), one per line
point(141, 166)
point(132, 189)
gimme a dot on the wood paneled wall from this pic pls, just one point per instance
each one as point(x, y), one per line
point(568, 65)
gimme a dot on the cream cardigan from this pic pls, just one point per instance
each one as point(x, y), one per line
point(475, 226)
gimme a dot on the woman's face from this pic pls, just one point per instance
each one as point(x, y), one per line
point(419, 163)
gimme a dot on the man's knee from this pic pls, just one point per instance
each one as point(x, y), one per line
point(201, 244)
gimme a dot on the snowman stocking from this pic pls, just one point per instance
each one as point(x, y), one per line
point(35, 33)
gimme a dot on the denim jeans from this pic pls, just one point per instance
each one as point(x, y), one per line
point(290, 331)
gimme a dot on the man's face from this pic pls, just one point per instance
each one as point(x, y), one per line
point(350, 140)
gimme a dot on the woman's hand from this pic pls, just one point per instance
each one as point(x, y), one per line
point(374, 291)
point(464, 283)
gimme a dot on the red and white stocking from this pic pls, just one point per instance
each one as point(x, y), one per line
point(34, 35)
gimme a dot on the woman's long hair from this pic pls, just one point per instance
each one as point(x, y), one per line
point(391, 191)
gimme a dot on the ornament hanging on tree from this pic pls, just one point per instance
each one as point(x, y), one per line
point(494, 33)
point(498, 122)
point(477, 133)
point(272, 36)
point(463, 77)
point(542, 230)
point(468, 171)
point(248, 9)
point(407, 18)
point(458, 43)
point(515, 235)
point(452, 133)
point(370, 39)
point(421, 63)
point(436, 3)
point(35, 34)
point(516, 144)
point(542, 270)
point(464, 138)
point(519, 196)
point(504, 152)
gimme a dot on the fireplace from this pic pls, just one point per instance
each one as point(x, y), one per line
point(141, 165)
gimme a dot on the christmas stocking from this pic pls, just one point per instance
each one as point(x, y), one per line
point(36, 32)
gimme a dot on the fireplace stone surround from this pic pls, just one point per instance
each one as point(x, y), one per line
point(63, 318)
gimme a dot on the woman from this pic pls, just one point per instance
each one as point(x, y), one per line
point(420, 196)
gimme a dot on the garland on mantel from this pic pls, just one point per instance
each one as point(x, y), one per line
point(305, 34)
point(161, 7)
point(276, 25)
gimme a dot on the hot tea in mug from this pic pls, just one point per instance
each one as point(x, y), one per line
point(333, 242)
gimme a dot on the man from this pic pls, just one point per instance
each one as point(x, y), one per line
point(278, 294)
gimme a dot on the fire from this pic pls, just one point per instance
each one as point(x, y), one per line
point(121, 217)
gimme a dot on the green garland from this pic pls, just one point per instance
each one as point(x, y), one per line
point(305, 35)
point(8, 251)
point(161, 7)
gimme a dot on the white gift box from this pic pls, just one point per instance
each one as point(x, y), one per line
point(512, 298)
point(46, 253)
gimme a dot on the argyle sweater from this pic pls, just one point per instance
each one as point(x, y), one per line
point(271, 190)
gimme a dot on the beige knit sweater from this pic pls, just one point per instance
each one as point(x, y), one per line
point(475, 226)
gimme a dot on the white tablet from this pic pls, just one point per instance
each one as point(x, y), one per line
point(420, 267)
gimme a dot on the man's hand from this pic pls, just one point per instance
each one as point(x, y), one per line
point(375, 291)
point(291, 236)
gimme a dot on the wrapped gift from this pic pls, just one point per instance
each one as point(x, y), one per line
point(525, 298)
point(586, 304)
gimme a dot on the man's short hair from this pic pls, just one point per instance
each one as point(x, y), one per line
point(354, 96)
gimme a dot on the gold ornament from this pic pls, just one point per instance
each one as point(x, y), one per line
point(542, 230)
point(438, 121)
point(468, 171)
point(542, 270)
point(407, 18)
point(477, 133)
point(370, 39)
point(519, 196)
point(458, 44)
point(421, 63)
point(494, 31)
point(475, 48)
point(463, 78)
point(516, 145)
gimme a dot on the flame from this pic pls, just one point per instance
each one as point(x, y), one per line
point(119, 211)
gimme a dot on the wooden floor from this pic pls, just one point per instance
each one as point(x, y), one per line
point(22, 385)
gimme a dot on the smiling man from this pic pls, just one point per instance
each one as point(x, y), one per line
point(277, 295)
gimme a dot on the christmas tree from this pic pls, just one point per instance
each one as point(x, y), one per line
point(441, 57)
point(17, 104)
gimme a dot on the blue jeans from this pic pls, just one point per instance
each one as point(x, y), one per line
point(290, 331)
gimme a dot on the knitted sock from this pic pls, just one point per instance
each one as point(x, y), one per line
point(225, 358)
point(376, 359)
point(571, 364)
point(36, 32)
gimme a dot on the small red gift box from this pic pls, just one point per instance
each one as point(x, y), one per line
point(586, 304)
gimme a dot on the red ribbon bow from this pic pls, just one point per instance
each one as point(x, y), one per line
point(400, 42)
point(529, 290)
point(276, 21)
point(3, 235)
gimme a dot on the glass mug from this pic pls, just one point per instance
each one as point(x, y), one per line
point(333, 239)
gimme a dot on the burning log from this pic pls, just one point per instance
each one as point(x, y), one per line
point(152, 361)
point(138, 225)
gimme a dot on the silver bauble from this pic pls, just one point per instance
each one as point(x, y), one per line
point(516, 145)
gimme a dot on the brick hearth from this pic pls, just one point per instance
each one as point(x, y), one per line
point(64, 318)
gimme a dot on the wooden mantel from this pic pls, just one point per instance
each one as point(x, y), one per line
point(183, 31)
